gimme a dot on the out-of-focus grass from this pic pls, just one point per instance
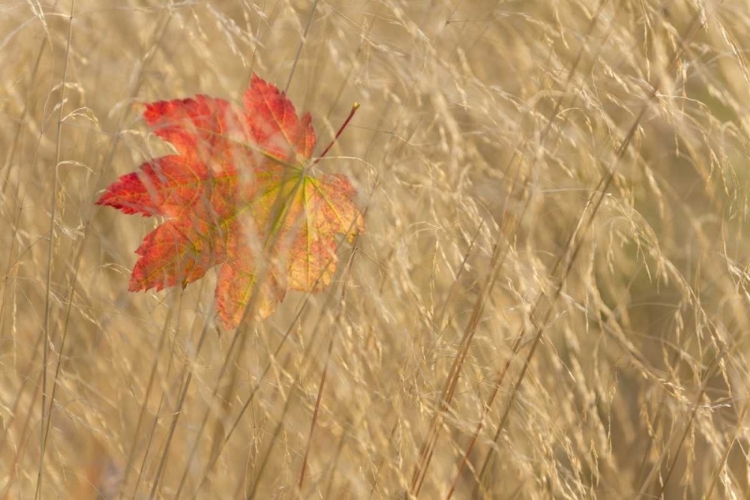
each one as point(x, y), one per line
point(550, 299)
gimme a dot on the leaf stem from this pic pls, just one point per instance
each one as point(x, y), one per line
point(355, 107)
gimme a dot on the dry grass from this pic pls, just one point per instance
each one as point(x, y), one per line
point(549, 300)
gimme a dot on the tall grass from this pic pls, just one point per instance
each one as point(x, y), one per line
point(550, 299)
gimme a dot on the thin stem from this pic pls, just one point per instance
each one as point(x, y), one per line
point(48, 300)
point(301, 44)
point(315, 413)
point(355, 107)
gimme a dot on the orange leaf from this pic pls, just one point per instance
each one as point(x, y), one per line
point(238, 194)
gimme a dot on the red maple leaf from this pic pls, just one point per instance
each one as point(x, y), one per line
point(238, 194)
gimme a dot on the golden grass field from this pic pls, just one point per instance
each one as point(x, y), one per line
point(550, 299)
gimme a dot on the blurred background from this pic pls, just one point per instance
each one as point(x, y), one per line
point(549, 301)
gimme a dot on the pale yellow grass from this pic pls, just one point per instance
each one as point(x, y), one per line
point(550, 299)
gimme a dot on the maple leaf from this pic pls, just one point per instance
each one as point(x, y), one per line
point(239, 195)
